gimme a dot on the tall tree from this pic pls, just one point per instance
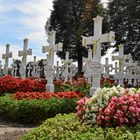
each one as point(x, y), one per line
point(124, 19)
point(71, 19)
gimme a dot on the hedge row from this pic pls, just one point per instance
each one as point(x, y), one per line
point(68, 127)
point(35, 111)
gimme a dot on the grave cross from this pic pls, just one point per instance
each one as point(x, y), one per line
point(6, 57)
point(57, 70)
point(25, 52)
point(67, 66)
point(96, 69)
point(121, 58)
point(24, 55)
point(34, 64)
point(98, 38)
point(49, 70)
point(107, 68)
point(29, 68)
point(52, 47)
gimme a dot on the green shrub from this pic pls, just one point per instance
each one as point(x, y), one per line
point(35, 111)
point(68, 127)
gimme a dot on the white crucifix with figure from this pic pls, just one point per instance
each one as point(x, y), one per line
point(6, 56)
point(96, 40)
point(51, 49)
point(24, 55)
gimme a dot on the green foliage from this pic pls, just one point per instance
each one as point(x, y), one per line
point(68, 127)
point(35, 111)
point(69, 87)
point(71, 19)
point(125, 22)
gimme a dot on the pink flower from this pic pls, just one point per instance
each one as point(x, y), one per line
point(107, 118)
point(132, 109)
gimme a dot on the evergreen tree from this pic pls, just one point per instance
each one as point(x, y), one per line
point(71, 19)
point(124, 19)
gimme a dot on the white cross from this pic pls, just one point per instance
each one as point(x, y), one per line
point(121, 57)
point(57, 70)
point(107, 68)
point(98, 39)
point(52, 47)
point(34, 64)
point(6, 57)
point(67, 64)
point(29, 68)
point(25, 52)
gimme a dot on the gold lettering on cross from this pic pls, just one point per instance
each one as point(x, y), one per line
point(49, 51)
point(95, 46)
point(85, 42)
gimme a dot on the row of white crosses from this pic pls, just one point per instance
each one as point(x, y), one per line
point(97, 40)
point(49, 69)
point(125, 71)
point(119, 75)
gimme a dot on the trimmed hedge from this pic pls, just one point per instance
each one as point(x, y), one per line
point(68, 127)
point(35, 111)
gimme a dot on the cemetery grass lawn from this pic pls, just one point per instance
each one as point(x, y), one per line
point(35, 111)
point(68, 127)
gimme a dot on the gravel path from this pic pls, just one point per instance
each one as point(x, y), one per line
point(12, 131)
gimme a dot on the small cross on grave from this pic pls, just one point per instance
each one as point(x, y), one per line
point(57, 70)
point(129, 64)
point(96, 68)
point(67, 65)
point(107, 69)
point(121, 58)
point(29, 68)
point(6, 57)
point(35, 65)
point(51, 49)
point(38, 71)
point(24, 55)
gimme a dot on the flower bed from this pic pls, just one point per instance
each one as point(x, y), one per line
point(46, 95)
point(111, 107)
point(68, 127)
point(9, 84)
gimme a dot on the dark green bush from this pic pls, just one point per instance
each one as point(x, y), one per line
point(67, 127)
point(35, 111)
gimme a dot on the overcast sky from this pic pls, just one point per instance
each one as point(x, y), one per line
point(21, 19)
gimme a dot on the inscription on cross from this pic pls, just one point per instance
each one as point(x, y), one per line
point(6, 56)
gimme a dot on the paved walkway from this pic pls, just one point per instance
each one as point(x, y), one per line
point(12, 131)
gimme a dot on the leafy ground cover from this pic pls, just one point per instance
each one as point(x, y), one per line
point(68, 127)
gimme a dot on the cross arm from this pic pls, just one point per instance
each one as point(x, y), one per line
point(9, 55)
point(108, 37)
